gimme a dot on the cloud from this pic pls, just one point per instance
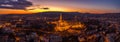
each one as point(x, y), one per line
point(15, 4)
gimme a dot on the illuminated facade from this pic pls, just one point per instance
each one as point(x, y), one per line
point(62, 25)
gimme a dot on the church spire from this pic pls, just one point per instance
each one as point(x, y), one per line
point(61, 17)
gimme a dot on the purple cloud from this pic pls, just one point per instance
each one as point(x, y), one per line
point(14, 4)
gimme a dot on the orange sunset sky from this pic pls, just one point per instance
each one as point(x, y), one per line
point(66, 6)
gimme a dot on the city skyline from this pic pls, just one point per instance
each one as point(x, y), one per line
point(59, 20)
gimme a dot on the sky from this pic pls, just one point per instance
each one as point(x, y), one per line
point(83, 6)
